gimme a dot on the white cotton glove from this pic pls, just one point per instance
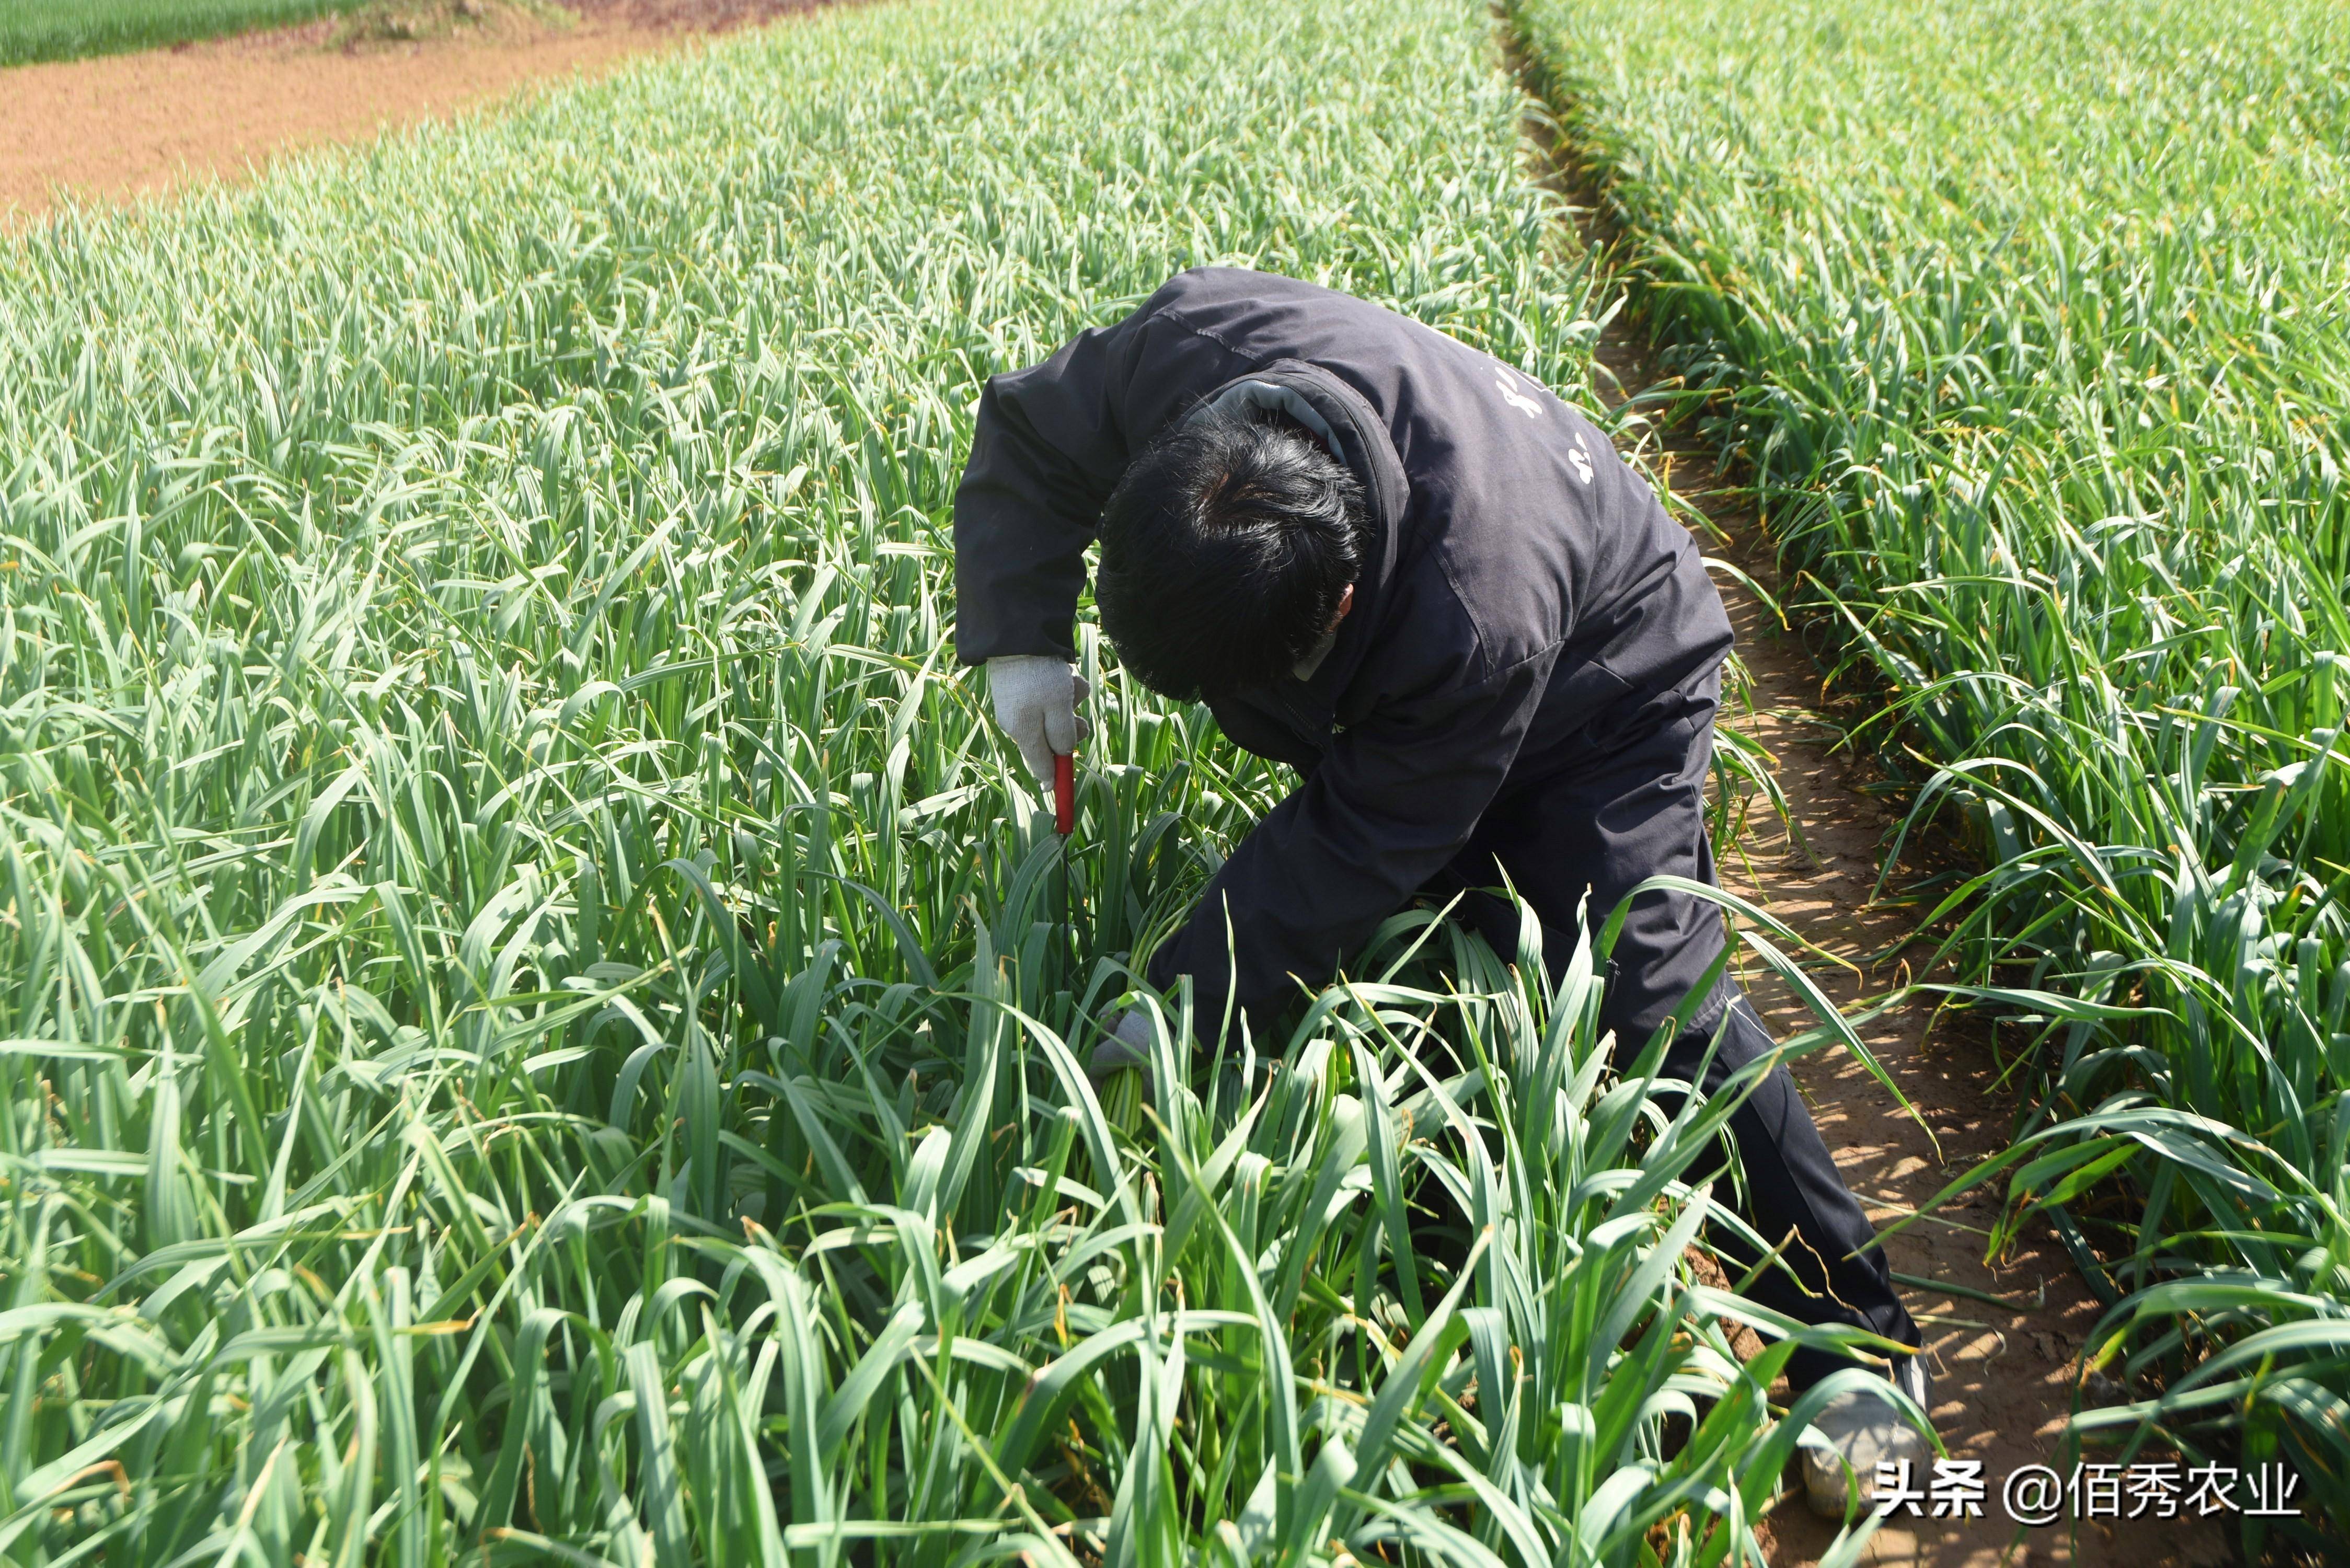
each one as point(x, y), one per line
point(1036, 696)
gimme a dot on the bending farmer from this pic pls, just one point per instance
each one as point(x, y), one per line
point(1411, 573)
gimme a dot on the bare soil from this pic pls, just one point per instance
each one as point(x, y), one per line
point(125, 126)
point(2004, 1375)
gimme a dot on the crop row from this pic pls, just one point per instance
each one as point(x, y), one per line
point(536, 1023)
point(2027, 317)
point(33, 30)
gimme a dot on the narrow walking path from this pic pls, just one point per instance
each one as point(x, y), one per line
point(2002, 1374)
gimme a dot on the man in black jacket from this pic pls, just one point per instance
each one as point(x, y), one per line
point(1413, 573)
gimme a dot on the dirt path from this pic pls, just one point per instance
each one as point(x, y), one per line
point(2002, 1375)
point(123, 126)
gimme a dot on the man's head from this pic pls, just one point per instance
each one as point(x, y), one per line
point(1228, 551)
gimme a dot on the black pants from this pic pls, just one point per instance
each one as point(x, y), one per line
point(1594, 818)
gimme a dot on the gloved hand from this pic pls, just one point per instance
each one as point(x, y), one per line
point(1036, 696)
point(1128, 1045)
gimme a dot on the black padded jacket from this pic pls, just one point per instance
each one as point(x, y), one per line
point(1524, 588)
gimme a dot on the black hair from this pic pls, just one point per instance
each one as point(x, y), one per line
point(1224, 550)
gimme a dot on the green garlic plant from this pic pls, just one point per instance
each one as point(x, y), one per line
point(538, 1020)
point(2027, 319)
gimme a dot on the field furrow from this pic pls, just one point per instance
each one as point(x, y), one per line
point(2027, 321)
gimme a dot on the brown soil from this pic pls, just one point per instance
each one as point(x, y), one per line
point(130, 125)
point(2002, 1375)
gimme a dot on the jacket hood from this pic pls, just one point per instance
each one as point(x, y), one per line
point(1336, 414)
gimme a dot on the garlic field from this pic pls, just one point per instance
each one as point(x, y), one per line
point(2029, 319)
point(538, 1023)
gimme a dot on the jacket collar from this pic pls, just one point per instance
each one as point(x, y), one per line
point(1304, 668)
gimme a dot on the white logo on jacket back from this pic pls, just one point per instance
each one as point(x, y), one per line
point(1518, 400)
point(1581, 456)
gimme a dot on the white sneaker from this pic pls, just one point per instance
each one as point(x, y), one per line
point(1862, 1431)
